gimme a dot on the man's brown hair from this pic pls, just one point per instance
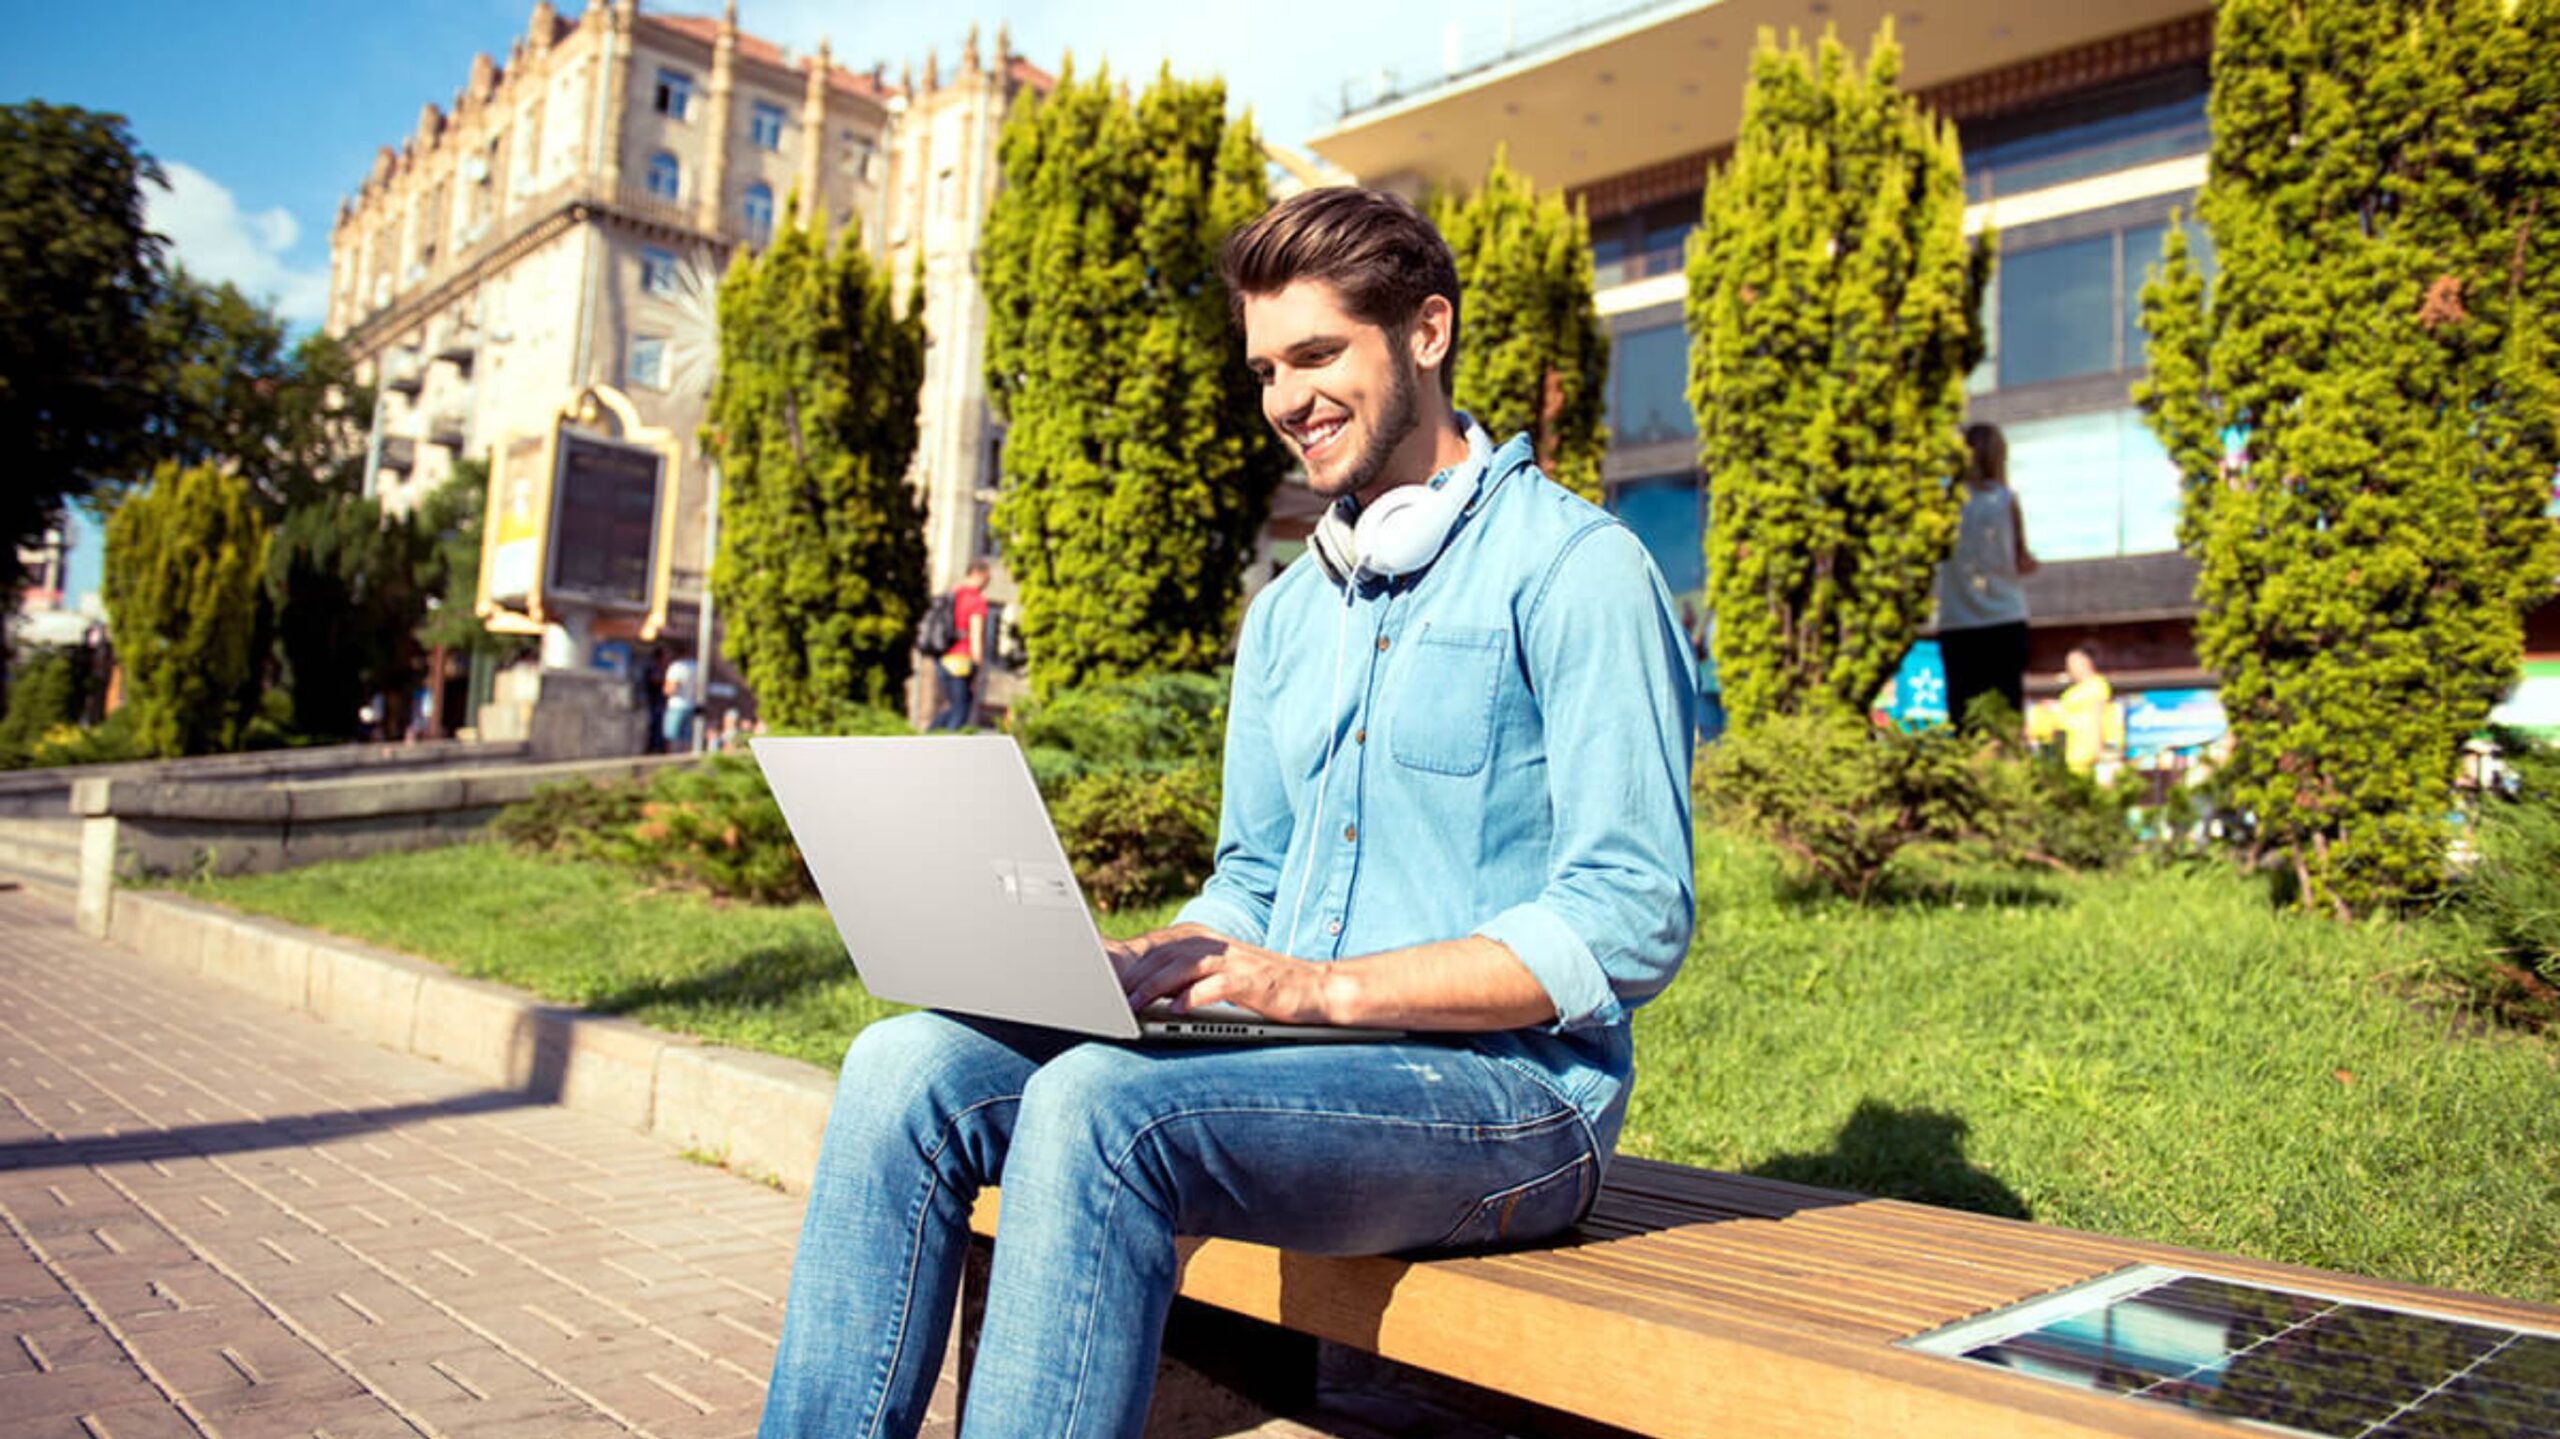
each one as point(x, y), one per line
point(1375, 248)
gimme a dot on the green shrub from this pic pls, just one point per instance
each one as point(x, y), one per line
point(716, 827)
point(44, 698)
point(1840, 797)
point(2513, 890)
point(1152, 724)
point(568, 816)
point(109, 741)
point(1844, 799)
point(1138, 836)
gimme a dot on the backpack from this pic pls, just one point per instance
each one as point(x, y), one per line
point(939, 630)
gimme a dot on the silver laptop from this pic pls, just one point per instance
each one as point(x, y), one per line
point(939, 865)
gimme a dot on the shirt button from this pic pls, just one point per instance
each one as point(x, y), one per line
point(1360, 736)
point(1382, 644)
point(1351, 831)
point(1333, 926)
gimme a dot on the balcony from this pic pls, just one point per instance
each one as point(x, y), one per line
point(400, 453)
point(458, 347)
point(402, 372)
point(447, 427)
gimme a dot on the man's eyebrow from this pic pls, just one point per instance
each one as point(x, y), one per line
point(1303, 345)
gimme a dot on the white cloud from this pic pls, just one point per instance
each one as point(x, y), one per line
point(215, 240)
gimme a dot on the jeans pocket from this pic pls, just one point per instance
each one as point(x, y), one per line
point(1443, 718)
point(1539, 1208)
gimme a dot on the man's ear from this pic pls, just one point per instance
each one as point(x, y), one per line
point(1434, 327)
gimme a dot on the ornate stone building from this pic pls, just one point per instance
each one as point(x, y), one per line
point(563, 223)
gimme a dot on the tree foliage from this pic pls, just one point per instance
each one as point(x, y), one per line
point(183, 561)
point(234, 390)
point(344, 587)
point(1137, 465)
point(78, 277)
point(1834, 308)
point(2364, 409)
point(1532, 355)
point(449, 519)
point(821, 566)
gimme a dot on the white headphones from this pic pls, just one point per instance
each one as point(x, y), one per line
point(1407, 527)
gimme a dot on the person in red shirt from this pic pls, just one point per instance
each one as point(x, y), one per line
point(957, 671)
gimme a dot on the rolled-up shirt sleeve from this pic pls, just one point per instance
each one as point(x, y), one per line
point(1254, 822)
point(1610, 670)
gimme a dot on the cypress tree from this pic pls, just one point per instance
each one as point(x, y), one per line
point(1137, 465)
point(820, 571)
point(183, 560)
point(1834, 308)
point(343, 586)
point(1532, 355)
point(2364, 410)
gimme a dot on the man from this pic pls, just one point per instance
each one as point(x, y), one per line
point(677, 692)
point(1456, 805)
point(956, 672)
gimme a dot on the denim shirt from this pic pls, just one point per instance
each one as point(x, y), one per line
point(1511, 729)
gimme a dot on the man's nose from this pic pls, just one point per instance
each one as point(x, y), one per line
point(1286, 399)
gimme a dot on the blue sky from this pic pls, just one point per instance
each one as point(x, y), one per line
point(266, 112)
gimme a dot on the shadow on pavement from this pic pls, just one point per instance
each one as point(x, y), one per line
point(244, 1135)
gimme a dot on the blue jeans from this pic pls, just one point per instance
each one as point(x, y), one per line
point(1107, 1151)
point(959, 699)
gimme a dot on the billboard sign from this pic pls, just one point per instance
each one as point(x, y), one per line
point(604, 522)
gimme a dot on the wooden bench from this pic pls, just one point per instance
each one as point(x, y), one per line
point(1695, 1303)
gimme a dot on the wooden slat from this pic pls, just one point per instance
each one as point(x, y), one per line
point(1693, 1302)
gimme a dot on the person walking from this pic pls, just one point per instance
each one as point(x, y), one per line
point(681, 702)
point(955, 673)
point(1982, 606)
point(1455, 804)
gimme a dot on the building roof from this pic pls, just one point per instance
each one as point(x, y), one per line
point(1664, 82)
point(706, 30)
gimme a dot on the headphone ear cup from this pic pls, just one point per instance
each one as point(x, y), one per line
point(1336, 546)
point(1403, 529)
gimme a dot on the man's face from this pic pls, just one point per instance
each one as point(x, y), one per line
point(1342, 392)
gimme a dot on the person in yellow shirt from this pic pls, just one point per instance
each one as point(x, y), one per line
point(2092, 731)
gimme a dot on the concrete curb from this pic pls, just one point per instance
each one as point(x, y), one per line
point(760, 1114)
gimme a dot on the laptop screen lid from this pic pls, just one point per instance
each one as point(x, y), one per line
point(939, 866)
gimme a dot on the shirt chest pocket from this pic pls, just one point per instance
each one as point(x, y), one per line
point(1443, 718)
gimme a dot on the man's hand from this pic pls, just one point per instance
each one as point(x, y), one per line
point(1193, 965)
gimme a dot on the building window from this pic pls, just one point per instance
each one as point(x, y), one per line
point(2093, 485)
point(758, 210)
point(657, 270)
point(764, 126)
point(2058, 311)
point(675, 93)
point(646, 367)
point(666, 177)
point(1668, 513)
point(1649, 387)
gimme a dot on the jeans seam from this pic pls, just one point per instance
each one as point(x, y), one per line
point(915, 1257)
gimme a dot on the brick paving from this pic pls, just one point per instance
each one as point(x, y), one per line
point(222, 1218)
point(218, 1217)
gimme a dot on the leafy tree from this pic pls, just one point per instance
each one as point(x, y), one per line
point(343, 583)
point(232, 390)
point(1137, 464)
point(1834, 309)
point(183, 562)
point(1532, 355)
point(821, 565)
point(44, 697)
point(78, 276)
point(2365, 410)
point(449, 519)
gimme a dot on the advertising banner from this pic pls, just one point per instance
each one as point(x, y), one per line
point(2160, 720)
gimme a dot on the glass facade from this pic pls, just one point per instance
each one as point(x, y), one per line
point(1649, 386)
point(2062, 328)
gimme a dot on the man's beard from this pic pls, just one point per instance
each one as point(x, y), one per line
point(1402, 414)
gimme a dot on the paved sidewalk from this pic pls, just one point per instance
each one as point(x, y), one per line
point(218, 1217)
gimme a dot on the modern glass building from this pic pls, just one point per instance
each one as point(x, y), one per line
point(2085, 138)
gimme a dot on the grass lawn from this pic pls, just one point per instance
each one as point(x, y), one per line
point(2151, 1054)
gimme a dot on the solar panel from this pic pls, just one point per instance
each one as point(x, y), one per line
point(2274, 1359)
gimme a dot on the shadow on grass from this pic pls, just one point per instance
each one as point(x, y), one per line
point(759, 979)
point(1914, 1154)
